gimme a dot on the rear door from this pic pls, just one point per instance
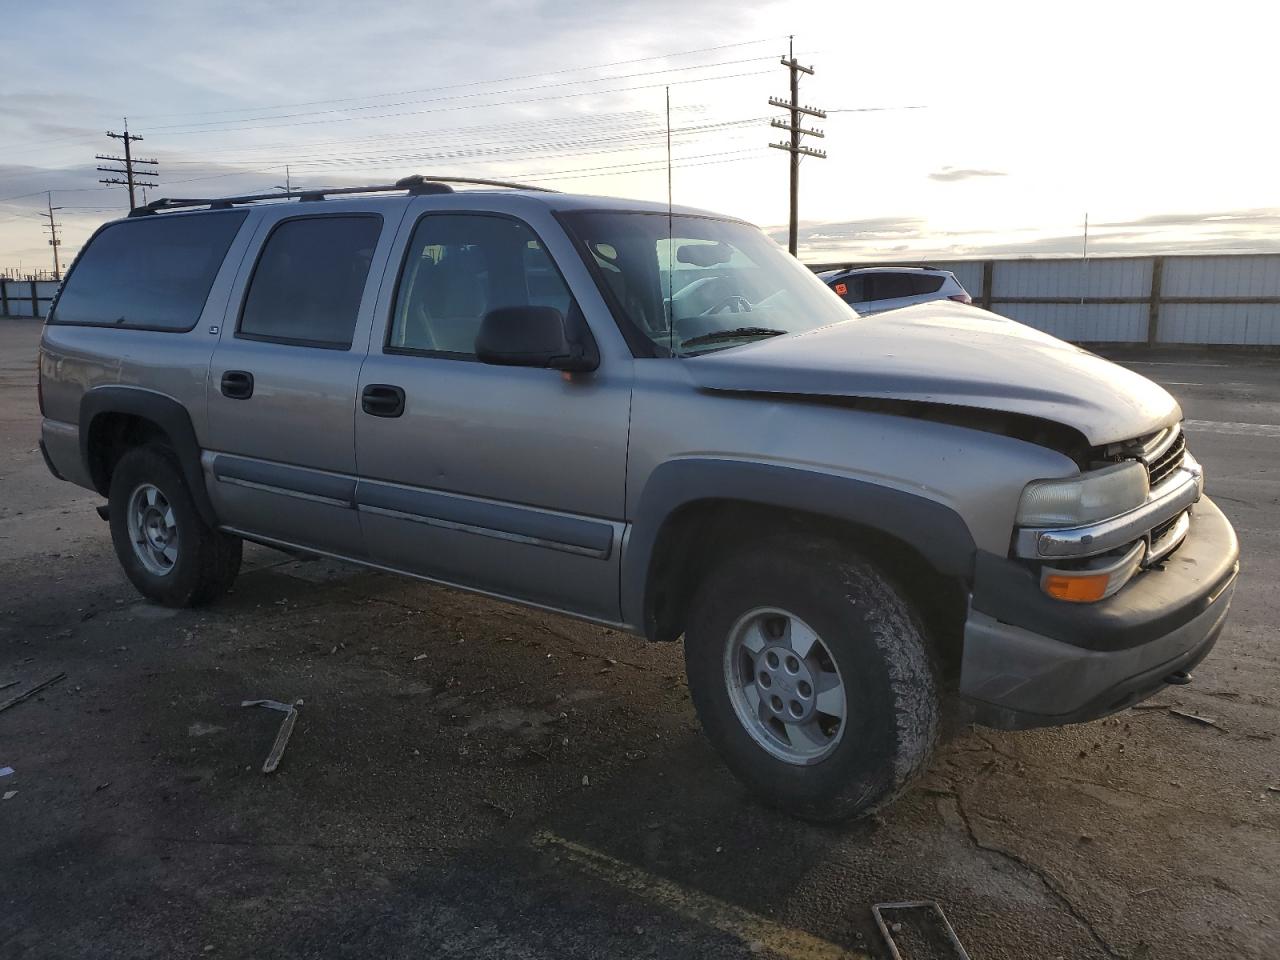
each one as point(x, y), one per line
point(280, 463)
point(509, 480)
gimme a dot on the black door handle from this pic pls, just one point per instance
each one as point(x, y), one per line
point(237, 384)
point(382, 400)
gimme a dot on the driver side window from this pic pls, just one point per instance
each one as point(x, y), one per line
point(457, 268)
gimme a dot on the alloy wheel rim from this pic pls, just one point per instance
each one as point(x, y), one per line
point(785, 686)
point(153, 529)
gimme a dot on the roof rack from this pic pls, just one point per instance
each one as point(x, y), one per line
point(416, 185)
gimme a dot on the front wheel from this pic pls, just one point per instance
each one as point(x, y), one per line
point(167, 550)
point(811, 677)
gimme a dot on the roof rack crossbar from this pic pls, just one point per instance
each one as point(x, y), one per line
point(416, 185)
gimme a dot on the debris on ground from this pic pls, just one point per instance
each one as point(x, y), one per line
point(14, 701)
point(6, 771)
point(290, 710)
point(507, 812)
point(917, 928)
point(9, 795)
point(1194, 717)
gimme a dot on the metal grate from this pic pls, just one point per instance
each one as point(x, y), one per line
point(1170, 460)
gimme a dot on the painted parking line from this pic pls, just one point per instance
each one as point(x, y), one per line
point(1233, 429)
point(756, 932)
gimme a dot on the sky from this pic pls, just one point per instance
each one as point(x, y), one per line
point(954, 130)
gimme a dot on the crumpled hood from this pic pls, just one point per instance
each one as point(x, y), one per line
point(949, 353)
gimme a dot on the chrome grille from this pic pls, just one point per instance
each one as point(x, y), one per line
point(1162, 466)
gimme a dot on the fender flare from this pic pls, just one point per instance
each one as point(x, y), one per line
point(164, 411)
point(934, 530)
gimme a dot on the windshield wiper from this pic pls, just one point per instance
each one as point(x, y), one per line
point(738, 333)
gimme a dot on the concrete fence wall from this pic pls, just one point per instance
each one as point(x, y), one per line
point(26, 298)
point(1216, 299)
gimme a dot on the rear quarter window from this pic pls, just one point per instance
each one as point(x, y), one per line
point(152, 273)
point(927, 283)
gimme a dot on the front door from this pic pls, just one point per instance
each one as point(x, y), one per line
point(280, 457)
point(508, 480)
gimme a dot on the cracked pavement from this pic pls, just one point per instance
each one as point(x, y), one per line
point(468, 779)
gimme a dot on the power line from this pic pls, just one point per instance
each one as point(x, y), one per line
point(918, 106)
point(82, 138)
point(601, 144)
point(54, 241)
point(647, 165)
point(504, 134)
point(793, 146)
point(21, 196)
point(477, 106)
point(131, 178)
point(462, 96)
point(473, 83)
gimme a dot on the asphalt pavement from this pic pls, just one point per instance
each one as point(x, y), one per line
point(468, 779)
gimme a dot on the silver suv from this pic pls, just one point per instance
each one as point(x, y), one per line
point(652, 419)
point(877, 289)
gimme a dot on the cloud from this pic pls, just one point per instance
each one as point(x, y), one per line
point(953, 174)
point(897, 238)
point(853, 231)
point(1259, 216)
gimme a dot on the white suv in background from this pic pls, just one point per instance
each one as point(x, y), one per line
point(877, 289)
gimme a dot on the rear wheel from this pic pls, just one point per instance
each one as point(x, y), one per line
point(167, 550)
point(811, 677)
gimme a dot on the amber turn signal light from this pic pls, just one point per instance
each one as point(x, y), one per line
point(1083, 589)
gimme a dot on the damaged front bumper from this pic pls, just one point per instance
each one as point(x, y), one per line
point(1032, 661)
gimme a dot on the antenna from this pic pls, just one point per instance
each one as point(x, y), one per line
point(671, 253)
point(1084, 259)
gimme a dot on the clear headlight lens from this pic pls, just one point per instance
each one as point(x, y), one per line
point(1096, 495)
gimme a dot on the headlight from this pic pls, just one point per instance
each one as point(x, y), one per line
point(1097, 495)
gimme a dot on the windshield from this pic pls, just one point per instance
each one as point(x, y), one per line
point(707, 285)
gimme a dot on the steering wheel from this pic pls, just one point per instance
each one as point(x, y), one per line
point(732, 304)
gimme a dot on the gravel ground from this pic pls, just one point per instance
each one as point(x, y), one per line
point(469, 779)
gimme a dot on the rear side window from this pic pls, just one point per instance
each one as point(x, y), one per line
point(152, 273)
point(851, 289)
point(891, 286)
point(926, 283)
point(310, 277)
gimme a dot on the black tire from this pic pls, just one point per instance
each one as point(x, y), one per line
point(207, 560)
point(875, 641)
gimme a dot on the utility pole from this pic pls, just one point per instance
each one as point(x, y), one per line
point(793, 127)
point(132, 178)
point(54, 241)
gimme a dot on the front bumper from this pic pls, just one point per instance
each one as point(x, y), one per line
point(1033, 661)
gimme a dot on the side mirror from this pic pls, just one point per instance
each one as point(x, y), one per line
point(531, 336)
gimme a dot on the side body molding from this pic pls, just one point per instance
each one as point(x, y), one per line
point(167, 413)
point(937, 532)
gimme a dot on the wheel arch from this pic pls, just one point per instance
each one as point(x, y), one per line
point(115, 418)
point(694, 510)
